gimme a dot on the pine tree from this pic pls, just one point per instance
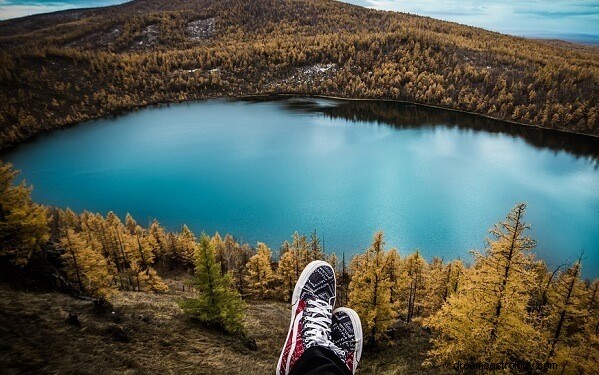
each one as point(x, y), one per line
point(315, 251)
point(414, 269)
point(334, 262)
point(219, 248)
point(146, 276)
point(218, 303)
point(187, 243)
point(487, 319)
point(343, 280)
point(159, 242)
point(286, 274)
point(23, 224)
point(259, 276)
point(130, 223)
point(85, 267)
point(370, 290)
point(585, 354)
point(119, 244)
point(299, 246)
point(436, 287)
point(397, 278)
point(566, 297)
point(240, 257)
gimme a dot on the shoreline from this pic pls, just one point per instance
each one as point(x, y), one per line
point(272, 96)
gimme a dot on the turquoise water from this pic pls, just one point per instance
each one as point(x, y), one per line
point(575, 20)
point(430, 179)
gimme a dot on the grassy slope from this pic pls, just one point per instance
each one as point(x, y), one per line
point(37, 338)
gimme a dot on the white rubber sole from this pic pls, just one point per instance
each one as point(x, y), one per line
point(357, 323)
point(295, 298)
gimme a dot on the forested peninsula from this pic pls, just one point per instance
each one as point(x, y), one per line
point(62, 68)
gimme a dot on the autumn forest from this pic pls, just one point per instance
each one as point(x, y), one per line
point(62, 68)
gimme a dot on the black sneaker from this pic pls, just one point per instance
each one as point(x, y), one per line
point(346, 334)
point(311, 314)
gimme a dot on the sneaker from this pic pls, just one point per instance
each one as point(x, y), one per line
point(346, 334)
point(311, 314)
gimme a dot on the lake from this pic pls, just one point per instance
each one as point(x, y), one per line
point(431, 179)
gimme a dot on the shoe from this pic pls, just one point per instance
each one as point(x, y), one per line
point(311, 314)
point(346, 334)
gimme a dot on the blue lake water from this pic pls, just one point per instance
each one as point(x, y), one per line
point(431, 179)
point(575, 20)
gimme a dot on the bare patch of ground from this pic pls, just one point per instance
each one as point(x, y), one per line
point(148, 38)
point(201, 29)
point(99, 40)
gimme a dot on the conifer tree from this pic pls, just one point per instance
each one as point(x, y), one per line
point(436, 286)
point(187, 243)
point(85, 267)
point(23, 224)
point(286, 273)
point(260, 276)
point(343, 280)
point(130, 223)
point(218, 303)
point(455, 273)
point(397, 278)
point(219, 248)
point(566, 297)
point(240, 257)
point(119, 244)
point(487, 319)
point(585, 355)
point(315, 251)
point(370, 290)
point(414, 269)
point(299, 246)
point(159, 241)
point(147, 277)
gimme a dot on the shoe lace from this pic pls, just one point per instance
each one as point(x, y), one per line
point(318, 318)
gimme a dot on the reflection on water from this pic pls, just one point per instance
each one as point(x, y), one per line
point(411, 116)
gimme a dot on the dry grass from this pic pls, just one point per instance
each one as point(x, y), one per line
point(148, 334)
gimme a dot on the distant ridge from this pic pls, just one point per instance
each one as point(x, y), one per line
point(65, 67)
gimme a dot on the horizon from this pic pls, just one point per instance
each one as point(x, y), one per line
point(568, 20)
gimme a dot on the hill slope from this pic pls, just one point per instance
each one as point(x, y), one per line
point(61, 68)
point(148, 334)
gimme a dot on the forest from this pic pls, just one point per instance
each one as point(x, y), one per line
point(63, 68)
point(504, 304)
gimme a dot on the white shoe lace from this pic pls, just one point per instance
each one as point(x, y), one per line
point(318, 326)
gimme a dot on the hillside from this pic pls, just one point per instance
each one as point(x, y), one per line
point(147, 333)
point(61, 68)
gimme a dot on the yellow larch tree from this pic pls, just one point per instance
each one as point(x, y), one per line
point(85, 267)
point(370, 290)
point(487, 320)
point(286, 273)
point(414, 270)
point(23, 224)
point(187, 244)
point(259, 275)
point(566, 310)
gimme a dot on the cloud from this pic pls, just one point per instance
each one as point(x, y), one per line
point(21, 8)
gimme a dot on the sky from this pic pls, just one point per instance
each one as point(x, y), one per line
point(576, 20)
